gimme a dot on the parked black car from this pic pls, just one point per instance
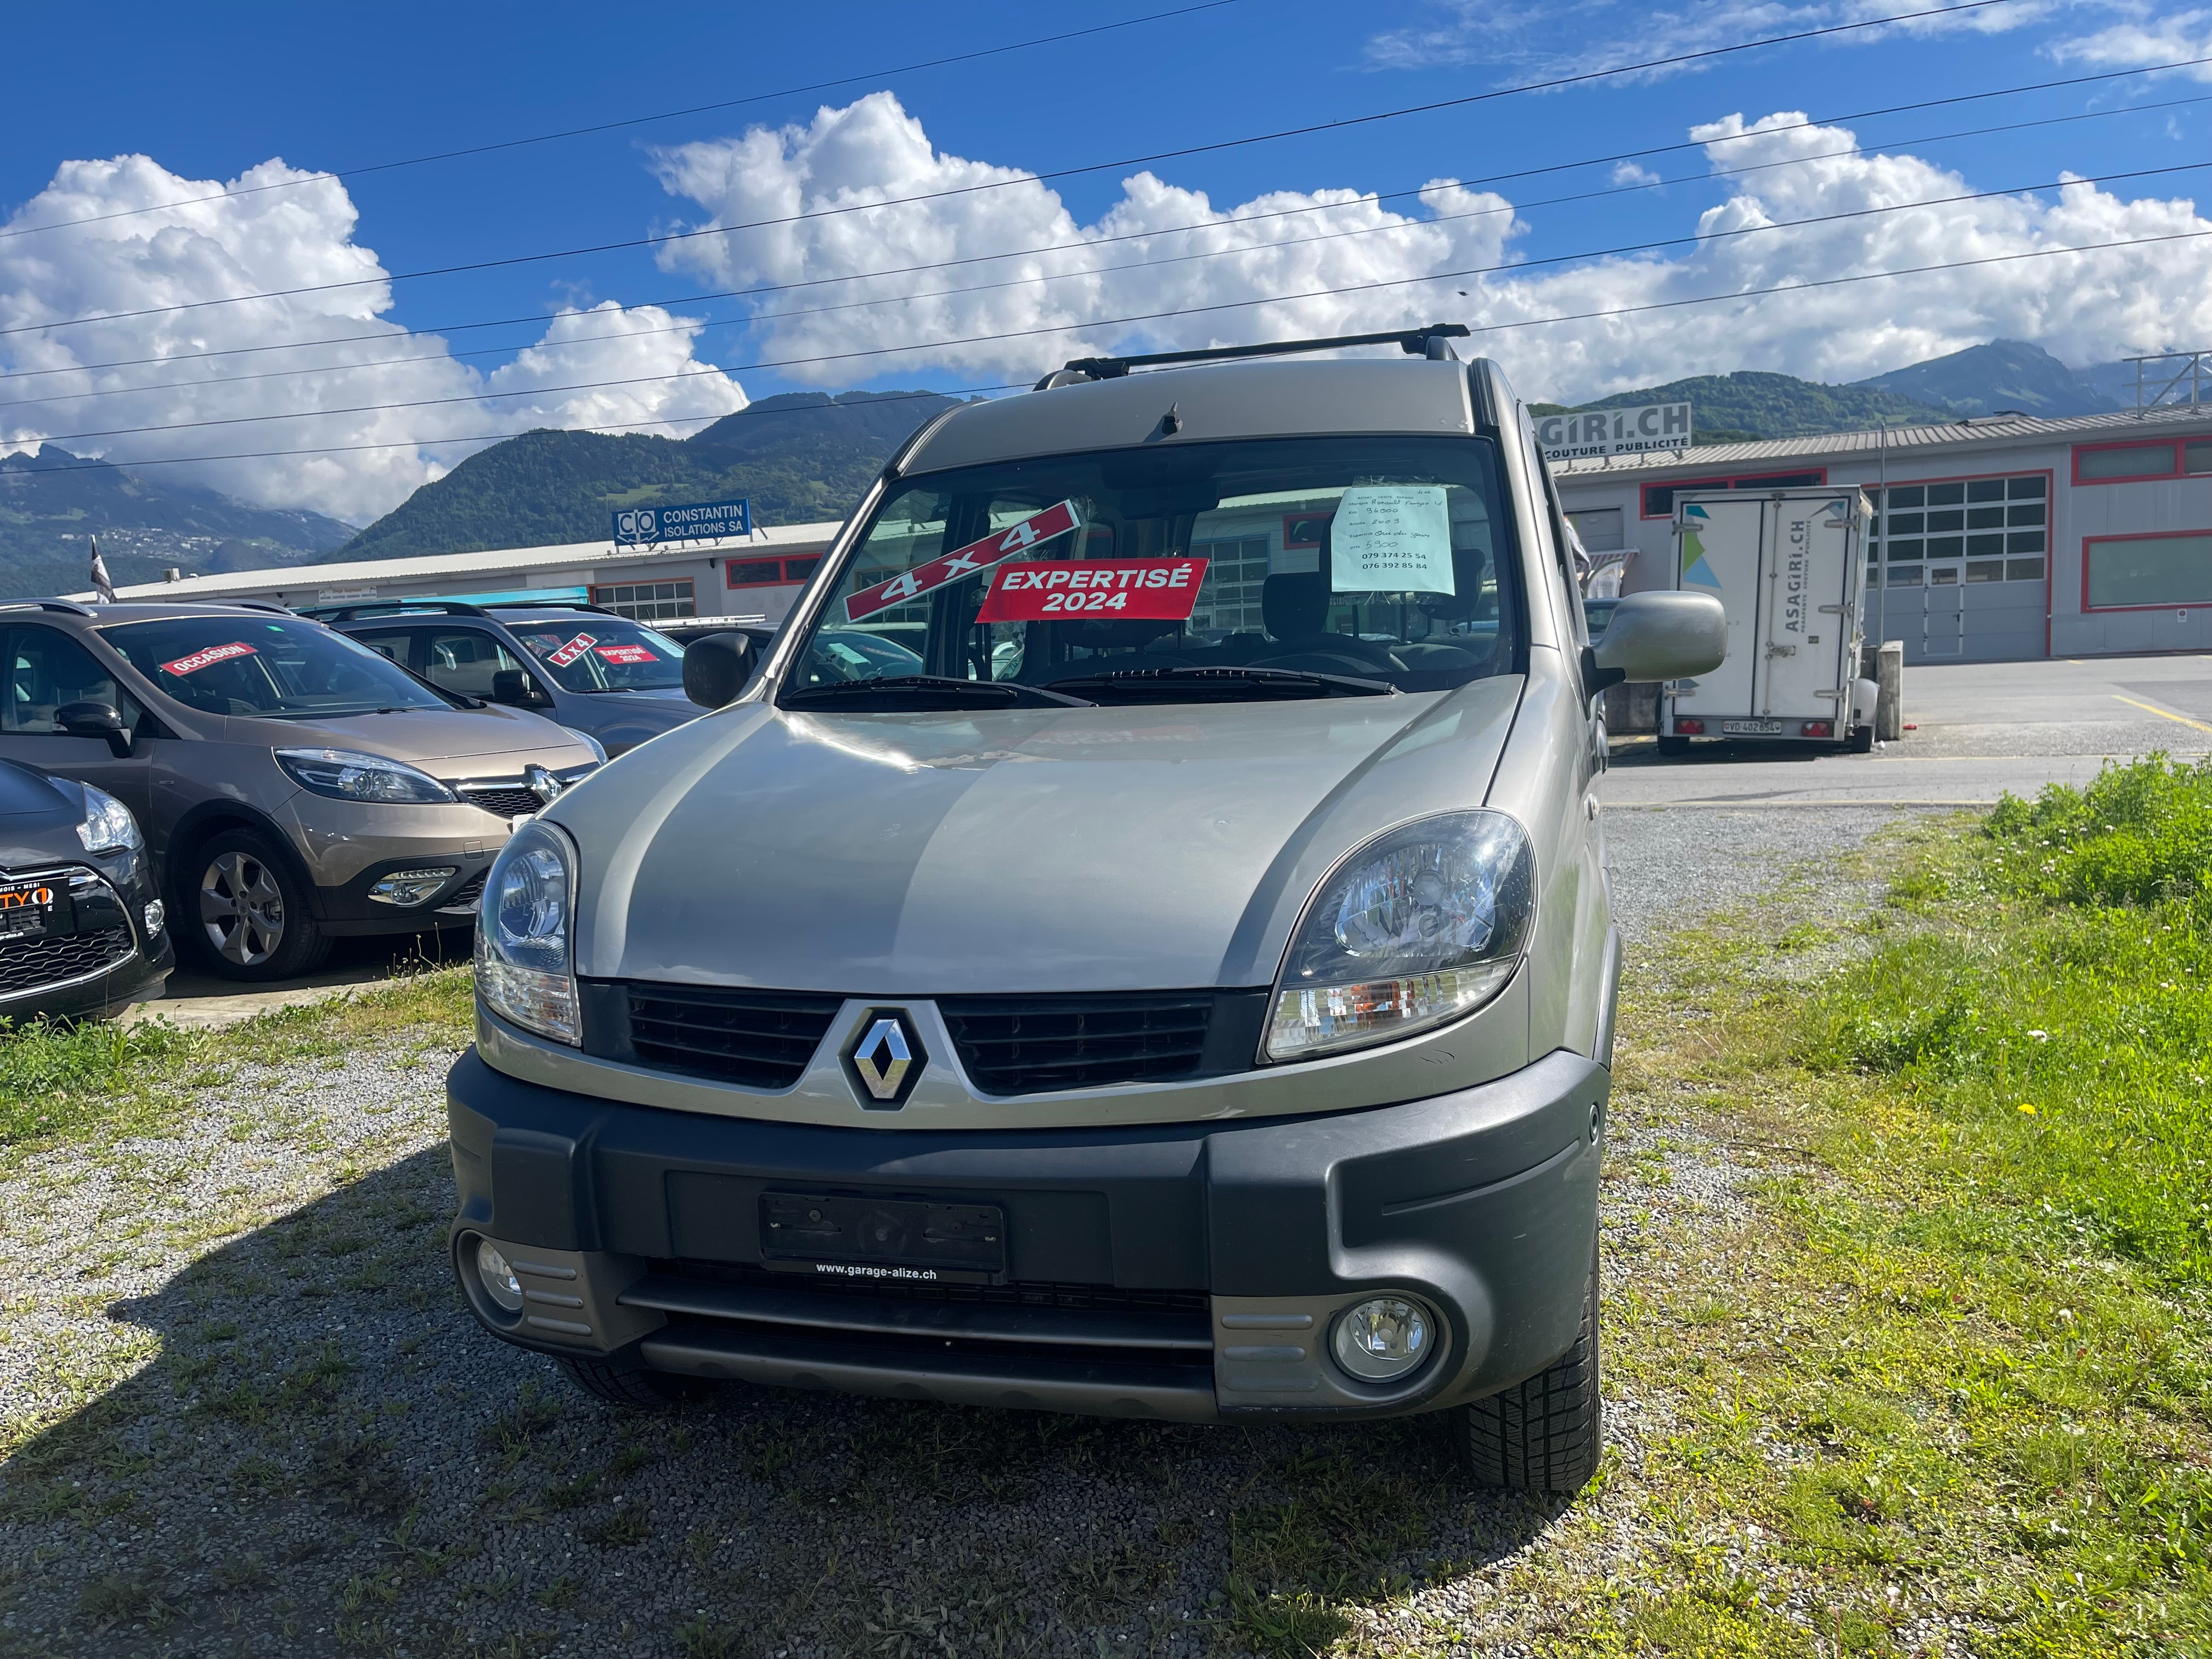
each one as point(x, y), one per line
point(81, 921)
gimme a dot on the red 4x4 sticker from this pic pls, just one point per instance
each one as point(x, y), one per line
point(1033, 532)
point(208, 659)
point(1160, 590)
point(567, 653)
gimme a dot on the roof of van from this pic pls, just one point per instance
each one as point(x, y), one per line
point(1271, 398)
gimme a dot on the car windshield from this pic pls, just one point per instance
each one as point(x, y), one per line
point(267, 667)
point(586, 653)
point(1202, 571)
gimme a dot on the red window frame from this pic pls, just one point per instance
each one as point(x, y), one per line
point(1737, 481)
point(2090, 544)
point(2171, 469)
point(769, 573)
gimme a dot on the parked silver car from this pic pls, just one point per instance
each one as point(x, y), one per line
point(1189, 994)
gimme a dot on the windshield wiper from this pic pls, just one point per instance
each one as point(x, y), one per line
point(1226, 684)
point(926, 691)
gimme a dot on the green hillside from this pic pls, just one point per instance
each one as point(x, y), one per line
point(52, 503)
point(1727, 409)
point(800, 459)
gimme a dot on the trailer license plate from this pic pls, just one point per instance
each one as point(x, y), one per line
point(840, 1236)
point(1751, 729)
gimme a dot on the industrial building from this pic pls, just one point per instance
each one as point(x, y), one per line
point(748, 578)
point(1996, 538)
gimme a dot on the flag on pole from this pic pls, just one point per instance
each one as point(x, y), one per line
point(103, 587)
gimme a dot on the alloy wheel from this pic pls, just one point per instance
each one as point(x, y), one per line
point(242, 908)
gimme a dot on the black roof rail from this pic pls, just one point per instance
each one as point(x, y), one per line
point(233, 605)
point(335, 613)
point(547, 605)
point(1427, 342)
point(68, 607)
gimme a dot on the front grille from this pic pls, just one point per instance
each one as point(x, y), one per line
point(762, 1039)
point(1028, 1045)
point(469, 895)
point(29, 964)
point(507, 803)
point(1027, 1293)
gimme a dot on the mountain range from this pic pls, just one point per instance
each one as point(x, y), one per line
point(805, 456)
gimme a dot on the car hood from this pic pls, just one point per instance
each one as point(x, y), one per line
point(38, 816)
point(447, 743)
point(1061, 849)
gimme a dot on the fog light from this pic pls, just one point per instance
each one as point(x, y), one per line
point(499, 1280)
point(1689, 728)
point(157, 913)
point(1383, 1339)
point(408, 888)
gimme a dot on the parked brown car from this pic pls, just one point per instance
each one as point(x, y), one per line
point(295, 787)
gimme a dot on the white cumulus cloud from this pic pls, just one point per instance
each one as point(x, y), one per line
point(239, 238)
point(1277, 249)
point(2143, 37)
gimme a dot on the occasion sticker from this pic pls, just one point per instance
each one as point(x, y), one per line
point(925, 578)
point(1159, 590)
point(567, 653)
point(627, 653)
point(207, 659)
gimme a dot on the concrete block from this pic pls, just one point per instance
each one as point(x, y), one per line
point(1889, 674)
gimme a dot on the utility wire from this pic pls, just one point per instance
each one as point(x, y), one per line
point(757, 318)
point(673, 237)
point(540, 318)
point(1477, 328)
point(1694, 237)
point(631, 121)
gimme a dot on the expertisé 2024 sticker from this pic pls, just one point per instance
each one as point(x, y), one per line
point(1157, 590)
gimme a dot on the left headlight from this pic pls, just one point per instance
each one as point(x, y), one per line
point(1418, 927)
point(349, 774)
point(525, 964)
point(109, 826)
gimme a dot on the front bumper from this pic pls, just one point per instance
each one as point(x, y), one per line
point(1187, 1271)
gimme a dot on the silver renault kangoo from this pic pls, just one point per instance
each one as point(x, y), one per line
point(1138, 942)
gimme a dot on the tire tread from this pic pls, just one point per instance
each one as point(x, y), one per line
point(1545, 1434)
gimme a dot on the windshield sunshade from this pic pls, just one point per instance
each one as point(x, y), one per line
point(1330, 567)
point(269, 668)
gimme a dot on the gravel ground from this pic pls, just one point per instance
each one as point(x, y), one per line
point(265, 1426)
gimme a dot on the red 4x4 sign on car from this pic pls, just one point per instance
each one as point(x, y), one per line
point(1033, 532)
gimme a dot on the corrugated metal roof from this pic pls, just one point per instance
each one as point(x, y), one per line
point(435, 567)
point(1984, 432)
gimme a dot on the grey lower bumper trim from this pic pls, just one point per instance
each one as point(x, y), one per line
point(882, 1315)
point(1178, 1394)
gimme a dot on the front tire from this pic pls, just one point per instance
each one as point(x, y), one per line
point(1546, 1434)
point(243, 914)
point(632, 1387)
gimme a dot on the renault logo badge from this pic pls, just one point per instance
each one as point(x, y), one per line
point(884, 1059)
point(543, 784)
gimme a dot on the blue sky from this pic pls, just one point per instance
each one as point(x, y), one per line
point(208, 98)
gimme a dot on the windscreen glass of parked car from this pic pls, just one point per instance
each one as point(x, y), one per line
point(584, 652)
point(267, 668)
point(1279, 566)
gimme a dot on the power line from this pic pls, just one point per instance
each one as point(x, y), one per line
point(757, 318)
point(538, 318)
point(1119, 322)
point(631, 121)
point(1477, 328)
point(1025, 178)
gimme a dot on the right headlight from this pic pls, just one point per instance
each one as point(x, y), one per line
point(526, 961)
point(349, 774)
point(1418, 927)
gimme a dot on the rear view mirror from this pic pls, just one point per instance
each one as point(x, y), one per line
point(95, 720)
point(716, 668)
point(1660, 636)
point(515, 688)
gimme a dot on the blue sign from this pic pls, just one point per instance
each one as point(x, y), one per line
point(703, 521)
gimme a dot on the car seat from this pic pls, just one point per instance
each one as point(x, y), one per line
point(1294, 610)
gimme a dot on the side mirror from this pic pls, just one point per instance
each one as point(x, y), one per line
point(1659, 636)
point(95, 720)
point(513, 687)
point(716, 668)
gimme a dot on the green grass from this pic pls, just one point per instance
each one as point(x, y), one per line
point(61, 1081)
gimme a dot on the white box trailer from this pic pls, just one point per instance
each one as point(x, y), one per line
point(1789, 568)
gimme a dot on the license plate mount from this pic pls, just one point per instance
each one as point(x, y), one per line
point(34, 909)
point(1751, 729)
point(886, 1240)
